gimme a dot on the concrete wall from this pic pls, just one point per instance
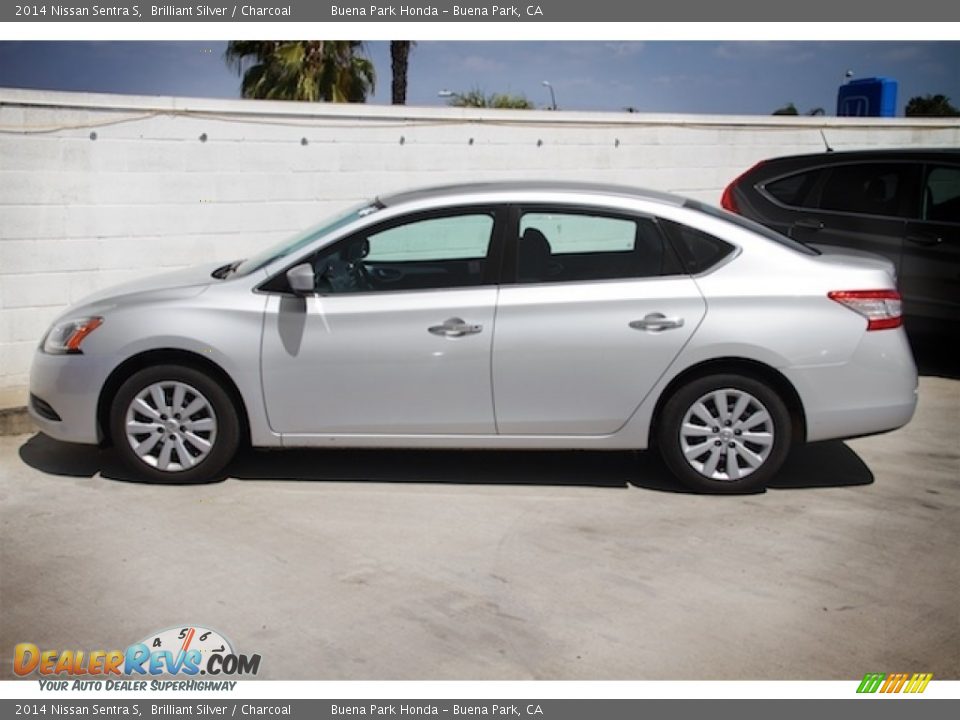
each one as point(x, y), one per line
point(97, 189)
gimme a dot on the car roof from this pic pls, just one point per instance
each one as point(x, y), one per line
point(527, 188)
point(840, 156)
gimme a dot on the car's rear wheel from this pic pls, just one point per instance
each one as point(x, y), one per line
point(174, 424)
point(724, 433)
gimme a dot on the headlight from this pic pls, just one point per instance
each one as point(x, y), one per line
point(65, 337)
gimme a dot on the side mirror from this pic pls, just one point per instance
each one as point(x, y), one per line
point(301, 279)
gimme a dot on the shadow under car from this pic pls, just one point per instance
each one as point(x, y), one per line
point(826, 464)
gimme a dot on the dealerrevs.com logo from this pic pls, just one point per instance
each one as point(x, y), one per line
point(180, 651)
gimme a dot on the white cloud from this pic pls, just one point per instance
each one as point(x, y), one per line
point(625, 49)
point(481, 64)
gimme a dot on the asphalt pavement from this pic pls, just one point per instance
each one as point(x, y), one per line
point(501, 565)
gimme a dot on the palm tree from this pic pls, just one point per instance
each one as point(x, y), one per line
point(399, 61)
point(313, 70)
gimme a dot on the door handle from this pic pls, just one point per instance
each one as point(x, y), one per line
point(655, 322)
point(809, 224)
point(926, 240)
point(454, 327)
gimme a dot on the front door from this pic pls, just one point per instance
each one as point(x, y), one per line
point(397, 338)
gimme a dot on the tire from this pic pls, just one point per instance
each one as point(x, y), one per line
point(735, 456)
point(163, 445)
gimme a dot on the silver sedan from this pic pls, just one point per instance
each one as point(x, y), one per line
point(507, 315)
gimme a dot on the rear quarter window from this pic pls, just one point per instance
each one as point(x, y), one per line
point(748, 224)
point(698, 251)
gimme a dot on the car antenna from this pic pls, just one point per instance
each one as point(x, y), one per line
point(829, 149)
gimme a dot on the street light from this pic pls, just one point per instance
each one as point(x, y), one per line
point(553, 97)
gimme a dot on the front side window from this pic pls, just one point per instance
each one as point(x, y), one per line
point(426, 254)
point(941, 194)
point(579, 247)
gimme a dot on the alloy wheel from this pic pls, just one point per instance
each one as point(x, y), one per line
point(171, 426)
point(726, 435)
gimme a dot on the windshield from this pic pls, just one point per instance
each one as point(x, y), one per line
point(302, 239)
point(756, 227)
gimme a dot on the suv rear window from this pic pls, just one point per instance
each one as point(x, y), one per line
point(941, 195)
point(867, 188)
point(794, 190)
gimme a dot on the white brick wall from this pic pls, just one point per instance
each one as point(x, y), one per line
point(78, 214)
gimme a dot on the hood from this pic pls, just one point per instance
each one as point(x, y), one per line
point(178, 283)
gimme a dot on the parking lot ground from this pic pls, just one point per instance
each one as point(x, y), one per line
point(501, 565)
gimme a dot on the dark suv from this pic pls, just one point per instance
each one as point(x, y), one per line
point(904, 204)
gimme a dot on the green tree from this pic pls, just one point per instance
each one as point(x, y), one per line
point(399, 63)
point(791, 109)
point(931, 106)
point(477, 98)
point(788, 109)
point(312, 70)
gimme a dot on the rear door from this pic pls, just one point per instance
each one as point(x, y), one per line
point(930, 274)
point(859, 205)
point(598, 311)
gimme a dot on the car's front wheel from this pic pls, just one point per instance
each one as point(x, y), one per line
point(174, 424)
point(724, 433)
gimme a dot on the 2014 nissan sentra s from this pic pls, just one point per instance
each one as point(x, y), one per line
point(502, 315)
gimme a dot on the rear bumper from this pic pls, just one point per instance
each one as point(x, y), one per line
point(875, 391)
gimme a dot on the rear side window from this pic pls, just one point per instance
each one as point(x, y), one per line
point(941, 194)
point(579, 247)
point(698, 250)
point(868, 189)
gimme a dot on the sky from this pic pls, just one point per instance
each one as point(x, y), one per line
point(738, 77)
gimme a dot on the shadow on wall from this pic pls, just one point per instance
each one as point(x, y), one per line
point(828, 464)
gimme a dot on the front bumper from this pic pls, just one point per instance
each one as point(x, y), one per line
point(70, 386)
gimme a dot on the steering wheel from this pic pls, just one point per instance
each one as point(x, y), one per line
point(360, 276)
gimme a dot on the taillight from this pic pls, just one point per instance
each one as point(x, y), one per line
point(883, 309)
point(728, 200)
